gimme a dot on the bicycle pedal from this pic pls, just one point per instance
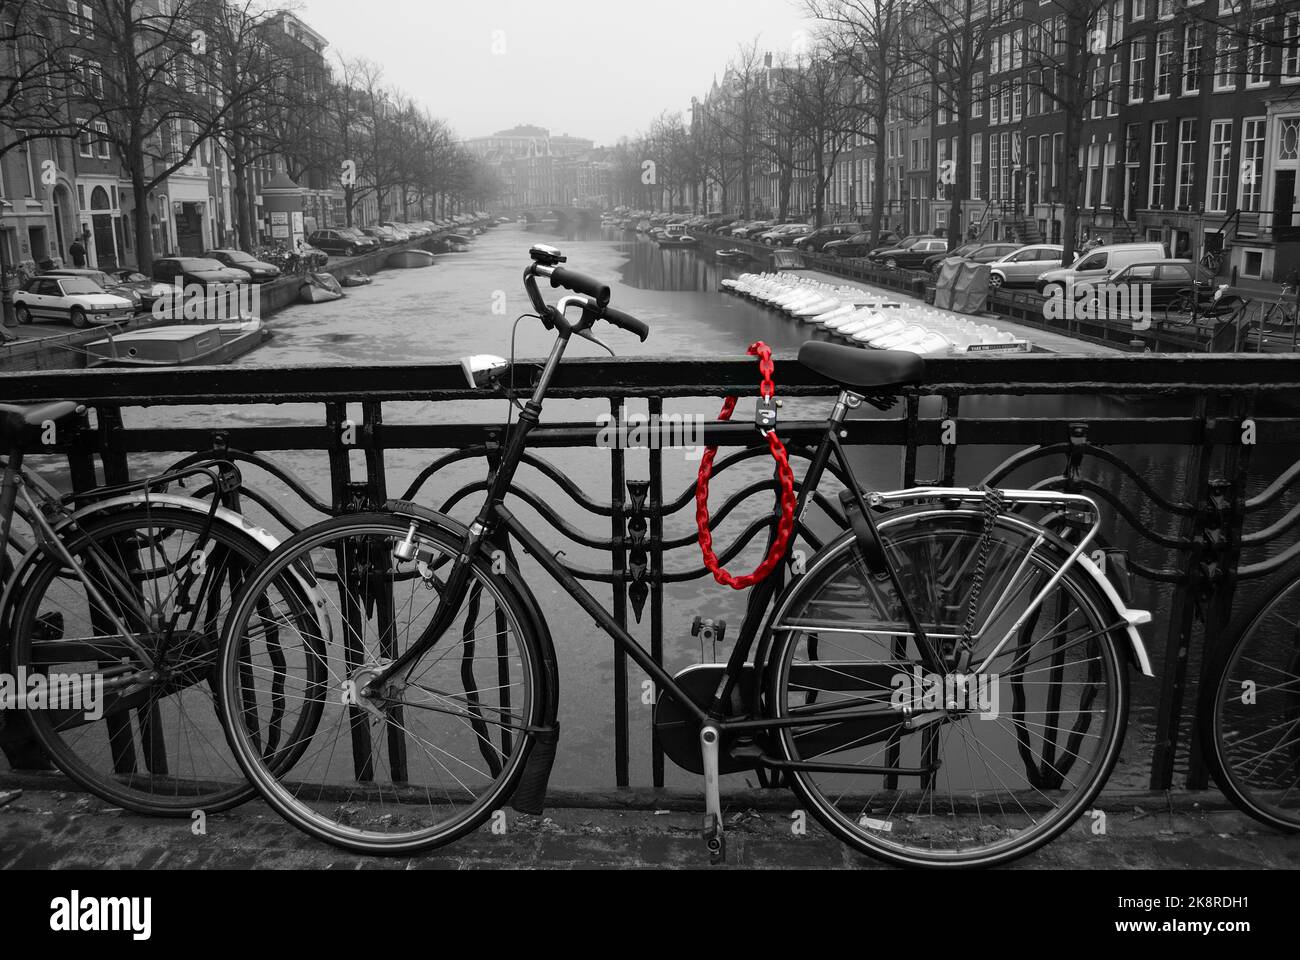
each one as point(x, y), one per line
point(715, 839)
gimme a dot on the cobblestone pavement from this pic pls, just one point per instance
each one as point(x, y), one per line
point(43, 829)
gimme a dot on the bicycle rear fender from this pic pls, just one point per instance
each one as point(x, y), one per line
point(530, 793)
point(1133, 618)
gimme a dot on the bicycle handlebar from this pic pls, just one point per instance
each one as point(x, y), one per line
point(625, 321)
point(597, 296)
point(581, 283)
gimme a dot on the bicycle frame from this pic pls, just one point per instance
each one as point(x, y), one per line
point(494, 516)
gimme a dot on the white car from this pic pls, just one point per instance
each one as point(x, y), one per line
point(76, 300)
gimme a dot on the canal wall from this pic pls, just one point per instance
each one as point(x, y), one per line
point(67, 351)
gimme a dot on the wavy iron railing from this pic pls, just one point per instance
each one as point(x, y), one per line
point(1230, 523)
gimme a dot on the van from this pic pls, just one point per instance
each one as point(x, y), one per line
point(1101, 262)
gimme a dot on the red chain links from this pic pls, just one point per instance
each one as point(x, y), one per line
point(784, 476)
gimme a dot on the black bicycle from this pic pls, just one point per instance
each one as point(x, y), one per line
point(944, 685)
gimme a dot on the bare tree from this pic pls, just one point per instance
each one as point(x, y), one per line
point(35, 74)
point(739, 115)
point(867, 38)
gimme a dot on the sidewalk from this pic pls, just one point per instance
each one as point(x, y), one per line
point(54, 829)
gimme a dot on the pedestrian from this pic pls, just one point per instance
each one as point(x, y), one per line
point(78, 253)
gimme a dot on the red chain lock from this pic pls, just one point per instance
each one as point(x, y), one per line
point(785, 478)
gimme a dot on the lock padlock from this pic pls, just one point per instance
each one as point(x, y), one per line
point(765, 413)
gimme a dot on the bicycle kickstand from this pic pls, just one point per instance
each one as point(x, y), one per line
point(714, 836)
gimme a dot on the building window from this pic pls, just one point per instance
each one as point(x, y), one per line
point(1193, 41)
point(976, 165)
point(1186, 183)
point(1113, 89)
point(1139, 10)
point(1017, 99)
point(977, 95)
point(101, 128)
point(1164, 63)
point(995, 166)
point(1288, 140)
point(1252, 162)
point(1220, 166)
point(1092, 192)
point(1137, 62)
point(1159, 161)
point(1058, 158)
point(1291, 48)
point(1044, 167)
point(1164, 9)
point(95, 78)
point(1257, 55)
point(85, 139)
point(1098, 90)
point(1107, 169)
point(1225, 63)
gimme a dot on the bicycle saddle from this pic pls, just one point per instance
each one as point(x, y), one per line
point(19, 423)
point(866, 369)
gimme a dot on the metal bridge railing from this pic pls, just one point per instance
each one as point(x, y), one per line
point(1228, 520)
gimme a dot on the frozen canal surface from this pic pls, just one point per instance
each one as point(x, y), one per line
point(447, 311)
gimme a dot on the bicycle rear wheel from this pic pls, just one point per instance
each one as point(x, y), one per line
point(157, 745)
point(425, 760)
point(970, 779)
point(1251, 731)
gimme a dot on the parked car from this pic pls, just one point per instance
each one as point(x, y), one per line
point(148, 290)
point(384, 235)
point(817, 240)
point(107, 282)
point(758, 227)
point(911, 257)
point(1025, 265)
point(882, 253)
point(257, 270)
point(198, 270)
point(858, 245)
point(1097, 264)
point(364, 244)
point(974, 252)
point(1166, 279)
point(784, 234)
point(338, 240)
point(76, 300)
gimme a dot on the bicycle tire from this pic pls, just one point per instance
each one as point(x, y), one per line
point(373, 804)
point(916, 830)
point(128, 759)
point(1261, 661)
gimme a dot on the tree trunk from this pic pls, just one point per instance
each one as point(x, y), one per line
point(961, 186)
point(878, 194)
point(143, 235)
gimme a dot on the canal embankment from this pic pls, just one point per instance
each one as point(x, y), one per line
point(66, 350)
point(1024, 308)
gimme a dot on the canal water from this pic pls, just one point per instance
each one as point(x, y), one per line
point(467, 304)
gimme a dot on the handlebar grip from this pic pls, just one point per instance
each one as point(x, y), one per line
point(581, 283)
point(625, 321)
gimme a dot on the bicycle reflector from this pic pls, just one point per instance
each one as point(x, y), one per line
point(481, 369)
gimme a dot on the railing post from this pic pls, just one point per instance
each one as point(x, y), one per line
point(618, 534)
point(656, 506)
point(1178, 640)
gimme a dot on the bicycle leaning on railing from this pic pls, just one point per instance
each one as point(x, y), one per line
point(945, 684)
point(111, 613)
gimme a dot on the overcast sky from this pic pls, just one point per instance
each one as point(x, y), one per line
point(599, 69)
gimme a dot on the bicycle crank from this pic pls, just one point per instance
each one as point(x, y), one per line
point(714, 836)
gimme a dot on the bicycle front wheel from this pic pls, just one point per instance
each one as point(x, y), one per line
point(941, 769)
point(1252, 731)
point(419, 763)
point(147, 740)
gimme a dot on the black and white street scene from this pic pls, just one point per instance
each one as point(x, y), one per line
point(713, 436)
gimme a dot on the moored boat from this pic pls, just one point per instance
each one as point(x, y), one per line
point(320, 288)
point(675, 235)
point(408, 259)
point(174, 346)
